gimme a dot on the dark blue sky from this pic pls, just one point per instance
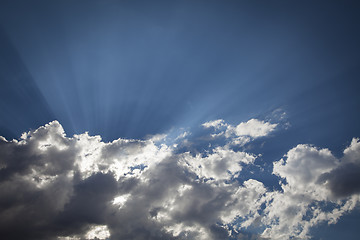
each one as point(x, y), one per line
point(135, 68)
point(128, 68)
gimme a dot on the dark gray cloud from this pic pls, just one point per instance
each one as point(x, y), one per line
point(343, 181)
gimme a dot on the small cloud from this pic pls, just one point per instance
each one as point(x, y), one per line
point(100, 232)
point(242, 133)
point(253, 128)
point(217, 124)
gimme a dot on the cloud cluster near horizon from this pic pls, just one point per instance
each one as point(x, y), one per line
point(58, 187)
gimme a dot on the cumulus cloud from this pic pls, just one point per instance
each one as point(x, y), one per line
point(312, 179)
point(243, 132)
point(80, 187)
point(253, 128)
point(344, 180)
point(221, 164)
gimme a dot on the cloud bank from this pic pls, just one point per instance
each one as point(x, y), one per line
point(59, 187)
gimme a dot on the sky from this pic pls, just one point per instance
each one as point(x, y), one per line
point(179, 119)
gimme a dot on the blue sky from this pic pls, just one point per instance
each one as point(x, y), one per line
point(135, 69)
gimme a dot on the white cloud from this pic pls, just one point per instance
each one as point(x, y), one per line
point(242, 133)
point(217, 124)
point(98, 232)
point(253, 128)
point(221, 164)
point(308, 172)
point(81, 187)
point(302, 167)
point(352, 153)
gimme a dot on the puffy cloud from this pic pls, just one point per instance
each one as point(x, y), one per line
point(56, 186)
point(344, 180)
point(318, 188)
point(53, 183)
point(59, 187)
point(243, 132)
point(302, 167)
point(253, 128)
point(221, 164)
point(217, 124)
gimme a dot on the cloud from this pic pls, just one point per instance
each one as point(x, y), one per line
point(221, 164)
point(217, 124)
point(344, 180)
point(253, 128)
point(243, 132)
point(81, 187)
point(312, 178)
point(301, 168)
